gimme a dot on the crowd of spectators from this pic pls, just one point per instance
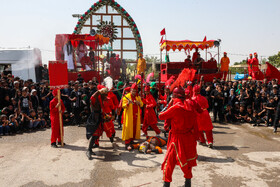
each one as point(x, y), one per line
point(24, 105)
point(246, 101)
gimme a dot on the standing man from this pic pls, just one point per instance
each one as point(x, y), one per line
point(203, 119)
point(131, 104)
point(225, 65)
point(141, 65)
point(181, 148)
point(150, 118)
point(249, 64)
point(75, 98)
point(54, 115)
point(256, 72)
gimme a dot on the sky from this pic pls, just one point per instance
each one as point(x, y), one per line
point(244, 26)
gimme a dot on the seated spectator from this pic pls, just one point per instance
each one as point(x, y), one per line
point(41, 117)
point(13, 124)
point(249, 118)
point(242, 115)
point(67, 119)
point(229, 114)
point(24, 103)
point(34, 121)
point(85, 114)
point(4, 125)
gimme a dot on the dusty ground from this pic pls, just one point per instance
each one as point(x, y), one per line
point(242, 156)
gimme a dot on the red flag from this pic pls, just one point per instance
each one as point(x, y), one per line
point(272, 72)
point(204, 40)
point(161, 40)
point(58, 74)
point(162, 32)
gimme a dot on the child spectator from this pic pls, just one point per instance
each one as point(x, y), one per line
point(13, 124)
point(34, 121)
point(229, 114)
point(4, 125)
point(24, 103)
point(67, 119)
point(257, 103)
point(85, 114)
point(41, 117)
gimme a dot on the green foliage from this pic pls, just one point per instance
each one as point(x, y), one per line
point(275, 60)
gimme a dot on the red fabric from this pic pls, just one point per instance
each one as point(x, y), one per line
point(204, 120)
point(87, 75)
point(107, 106)
point(114, 99)
point(150, 118)
point(170, 164)
point(249, 62)
point(194, 57)
point(54, 115)
point(225, 75)
point(85, 60)
point(272, 72)
point(163, 99)
point(182, 141)
point(209, 136)
point(256, 72)
point(162, 32)
point(134, 86)
point(58, 73)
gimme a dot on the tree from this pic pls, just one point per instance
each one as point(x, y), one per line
point(275, 60)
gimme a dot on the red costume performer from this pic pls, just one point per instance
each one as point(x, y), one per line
point(256, 72)
point(181, 148)
point(107, 108)
point(203, 119)
point(54, 115)
point(249, 64)
point(150, 118)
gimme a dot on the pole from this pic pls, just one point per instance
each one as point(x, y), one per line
point(60, 117)
point(206, 55)
point(218, 56)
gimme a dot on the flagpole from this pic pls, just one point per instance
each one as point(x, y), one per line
point(166, 44)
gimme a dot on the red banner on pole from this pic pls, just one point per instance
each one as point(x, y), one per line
point(58, 74)
point(162, 32)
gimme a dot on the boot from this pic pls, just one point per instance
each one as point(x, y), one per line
point(89, 153)
point(188, 183)
point(54, 145)
point(112, 139)
point(166, 184)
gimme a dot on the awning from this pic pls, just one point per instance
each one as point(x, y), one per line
point(88, 39)
point(186, 45)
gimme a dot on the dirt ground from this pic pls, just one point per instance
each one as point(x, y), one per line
point(242, 156)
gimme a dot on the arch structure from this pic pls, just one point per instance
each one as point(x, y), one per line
point(128, 43)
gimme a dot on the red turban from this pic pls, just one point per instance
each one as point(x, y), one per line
point(99, 87)
point(147, 89)
point(127, 89)
point(250, 55)
point(225, 53)
point(134, 86)
point(196, 89)
point(179, 92)
point(255, 53)
point(54, 92)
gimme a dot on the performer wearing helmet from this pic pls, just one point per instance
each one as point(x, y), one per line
point(203, 119)
point(150, 118)
point(131, 104)
point(181, 147)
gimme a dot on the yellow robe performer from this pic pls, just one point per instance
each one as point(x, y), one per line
point(141, 65)
point(131, 116)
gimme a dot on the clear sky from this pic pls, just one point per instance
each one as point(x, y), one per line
point(244, 26)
